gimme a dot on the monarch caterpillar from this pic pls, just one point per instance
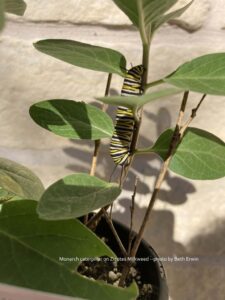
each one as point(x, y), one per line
point(124, 127)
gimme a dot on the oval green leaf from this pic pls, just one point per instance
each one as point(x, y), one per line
point(205, 74)
point(7, 196)
point(200, 155)
point(45, 255)
point(136, 102)
point(71, 119)
point(84, 55)
point(172, 15)
point(143, 13)
point(16, 7)
point(19, 180)
point(76, 195)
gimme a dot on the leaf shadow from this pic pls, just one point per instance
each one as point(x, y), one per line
point(160, 230)
point(65, 112)
point(178, 188)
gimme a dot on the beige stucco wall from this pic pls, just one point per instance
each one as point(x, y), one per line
point(189, 216)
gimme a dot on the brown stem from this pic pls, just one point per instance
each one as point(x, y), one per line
point(145, 63)
point(192, 116)
point(149, 209)
point(177, 137)
point(95, 157)
point(110, 223)
point(161, 176)
point(132, 207)
point(95, 219)
point(137, 127)
point(159, 181)
point(182, 109)
point(98, 142)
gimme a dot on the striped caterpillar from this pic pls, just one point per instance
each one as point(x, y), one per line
point(124, 127)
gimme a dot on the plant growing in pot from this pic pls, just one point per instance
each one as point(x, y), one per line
point(58, 240)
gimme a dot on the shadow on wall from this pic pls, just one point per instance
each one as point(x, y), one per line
point(203, 279)
point(178, 187)
point(199, 280)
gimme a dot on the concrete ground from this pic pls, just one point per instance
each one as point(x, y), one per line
point(189, 216)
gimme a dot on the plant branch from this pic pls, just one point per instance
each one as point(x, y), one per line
point(98, 142)
point(145, 61)
point(154, 83)
point(177, 128)
point(141, 22)
point(132, 207)
point(177, 137)
point(175, 140)
point(193, 115)
point(137, 126)
point(110, 223)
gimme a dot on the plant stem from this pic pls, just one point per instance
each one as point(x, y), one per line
point(158, 184)
point(193, 115)
point(143, 151)
point(153, 83)
point(98, 142)
point(132, 207)
point(177, 137)
point(119, 242)
point(145, 63)
point(95, 157)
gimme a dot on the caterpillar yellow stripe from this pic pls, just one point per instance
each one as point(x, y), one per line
point(124, 127)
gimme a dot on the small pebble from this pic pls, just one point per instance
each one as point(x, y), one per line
point(112, 276)
point(133, 272)
point(146, 287)
point(116, 283)
point(91, 278)
point(115, 269)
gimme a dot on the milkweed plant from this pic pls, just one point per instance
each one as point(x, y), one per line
point(39, 225)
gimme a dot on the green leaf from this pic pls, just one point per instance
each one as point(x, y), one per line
point(136, 102)
point(84, 55)
point(16, 7)
point(1, 14)
point(200, 155)
point(174, 14)
point(6, 196)
point(75, 196)
point(19, 180)
point(143, 13)
point(205, 74)
point(71, 119)
point(32, 252)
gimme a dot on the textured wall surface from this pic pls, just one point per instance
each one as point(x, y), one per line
point(189, 217)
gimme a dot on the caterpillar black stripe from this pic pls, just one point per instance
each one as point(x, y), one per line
point(124, 127)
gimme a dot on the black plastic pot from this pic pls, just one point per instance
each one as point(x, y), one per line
point(152, 270)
